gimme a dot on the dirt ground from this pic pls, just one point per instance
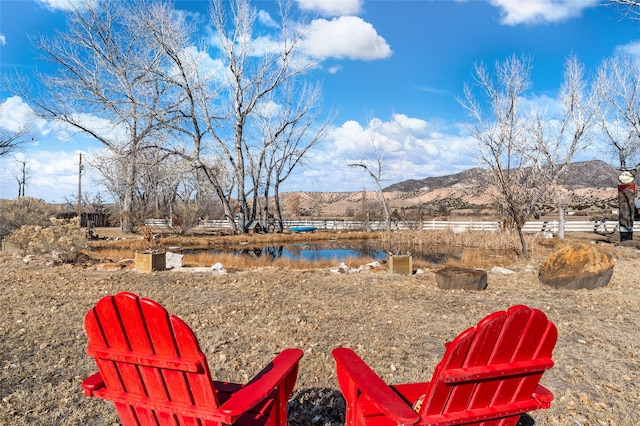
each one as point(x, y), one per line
point(398, 324)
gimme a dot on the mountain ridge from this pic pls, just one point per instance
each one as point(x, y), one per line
point(582, 174)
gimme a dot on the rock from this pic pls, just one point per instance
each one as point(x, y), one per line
point(343, 268)
point(501, 270)
point(218, 268)
point(577, 266)
point(629, 243)
point(372, 265)
point(461, 278)
point(174, 260)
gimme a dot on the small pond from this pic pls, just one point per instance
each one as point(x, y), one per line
point(311, 252)
point(334, 250)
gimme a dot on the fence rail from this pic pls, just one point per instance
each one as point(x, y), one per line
point(158, 223)
point(552, 226)
point(356, 225)
point(602, 227)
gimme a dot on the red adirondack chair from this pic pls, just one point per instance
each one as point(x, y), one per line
point(488, 375)
point(151, 367)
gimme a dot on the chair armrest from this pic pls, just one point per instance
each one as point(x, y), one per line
point(543, 396)
point(272, 376)
point(373, 387)
point(92, 384)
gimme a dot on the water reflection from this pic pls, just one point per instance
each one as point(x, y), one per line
point(333, 251)
point(338, 251)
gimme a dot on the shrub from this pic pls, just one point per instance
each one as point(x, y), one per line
point(62, 241)
point(24, 211)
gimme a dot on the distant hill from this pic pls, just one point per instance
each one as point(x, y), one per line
point(586, 186)
point(584, 174)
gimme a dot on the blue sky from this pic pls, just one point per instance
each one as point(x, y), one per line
point(394, 68)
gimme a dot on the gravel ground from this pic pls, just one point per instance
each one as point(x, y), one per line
point(398, 324)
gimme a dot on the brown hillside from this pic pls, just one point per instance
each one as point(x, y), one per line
point(589, 186)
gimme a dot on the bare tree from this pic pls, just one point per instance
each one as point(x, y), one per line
point(219, 115)
point(10, 141)
point(526, 150)
point(618, 83)
point(132, 68)
point(22, 179)
point(289, 135)
point(105, 84)
point(374, 169)
point(254, 76)
point(195, 90)
point(631, 8)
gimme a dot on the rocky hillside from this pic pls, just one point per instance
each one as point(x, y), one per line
point(589, 186)
point(585, 174)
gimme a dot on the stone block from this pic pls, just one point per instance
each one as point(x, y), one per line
point(461, 278)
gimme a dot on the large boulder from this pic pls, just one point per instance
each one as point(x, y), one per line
point(461, 278)
point(577, 266)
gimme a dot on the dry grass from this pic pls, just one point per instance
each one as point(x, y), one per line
point(480, 259)
point(397, 323)
point(467, 249)
point(426, 241)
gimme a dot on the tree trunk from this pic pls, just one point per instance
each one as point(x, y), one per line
point(276, 200)
point(385, 206)
point(126, 223)
point(240, 175)
point(561, 215)
point(523, 243)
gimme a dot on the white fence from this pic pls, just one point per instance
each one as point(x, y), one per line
point(356, 225)
point(602, 227)
point(158, 223)
point(553, 226)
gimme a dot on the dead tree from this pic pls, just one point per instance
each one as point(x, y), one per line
point(374, 169)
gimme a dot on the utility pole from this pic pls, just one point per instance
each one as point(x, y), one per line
point(80, 189)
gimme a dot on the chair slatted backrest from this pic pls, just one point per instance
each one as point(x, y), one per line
point(146, 358)
point(493, 370)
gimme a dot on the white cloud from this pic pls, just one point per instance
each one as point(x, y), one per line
point(15, 114)
point(266, 19)
point(433, 90)
point(188, 15)
point(516, 12)
point(3, 40)
point(332, 7)
point(334, 69)
point(412, 148)
point(52, 175)
point(268, 109)
point(632, 48)
point(205, 66)
point(345, 37)
point(67, 5)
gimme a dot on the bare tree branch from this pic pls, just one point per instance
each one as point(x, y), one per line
point(525, 150)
